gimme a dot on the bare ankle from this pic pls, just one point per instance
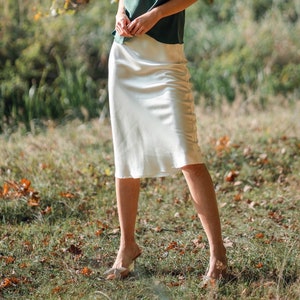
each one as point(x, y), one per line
point(130, 250)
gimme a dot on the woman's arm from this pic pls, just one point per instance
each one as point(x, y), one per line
point(122, 21)
point(172, 7)
point(145, 22)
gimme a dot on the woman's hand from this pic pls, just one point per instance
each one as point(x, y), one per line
point(143, 23)
point(122, 23)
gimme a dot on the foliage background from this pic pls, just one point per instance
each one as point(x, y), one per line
point(53, 61)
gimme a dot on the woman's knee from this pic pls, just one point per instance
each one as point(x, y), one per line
point(195, 169)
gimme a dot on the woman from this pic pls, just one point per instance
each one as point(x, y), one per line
point(153, 121)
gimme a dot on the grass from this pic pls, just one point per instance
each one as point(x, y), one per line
point(60, 233)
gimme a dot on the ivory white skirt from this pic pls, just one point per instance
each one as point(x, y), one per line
point(151, 108)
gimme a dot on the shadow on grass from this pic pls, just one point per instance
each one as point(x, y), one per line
point(246, 277)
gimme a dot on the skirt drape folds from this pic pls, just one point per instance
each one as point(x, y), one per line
point(151, 108)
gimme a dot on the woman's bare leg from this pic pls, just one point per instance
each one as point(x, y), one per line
point(127, 191)
point(203, 194)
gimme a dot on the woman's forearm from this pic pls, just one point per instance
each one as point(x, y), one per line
point(121, 7)
point(169, 8)
point(172, 7)
point(122, 21)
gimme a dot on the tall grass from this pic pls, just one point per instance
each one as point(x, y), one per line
point(246, 51)
point(53, 67)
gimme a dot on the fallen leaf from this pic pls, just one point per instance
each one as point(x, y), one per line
point(108, 172)
point(247, 188)
point(9, 260)
point(69, 235)
point(198, 243)
point(25, 183)
point(33, 202)
point(7, 282)
point(99, 232)
point(74, 250)
point(43, 166)
point(14, 190)
point(56, 290)
point(230, 177)
point(158, 229)
point(5, 189)
point(238, 197)
point(47, 210)
point(67, 195)
point(28, 245)
point(86, 271)
point(23, 266)
point(101, 225)
point(222, 143)
point(237, 183)
point(175, 283)
point(171, 246)
point(227, 243)
point(259, 235)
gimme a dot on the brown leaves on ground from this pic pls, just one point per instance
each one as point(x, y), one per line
point(7, 282)
point(18, 190)
point(67, 195)
point(11, 281)
point(222, 144)
point(13, 190)
point(70, 246)
point(231, 176)
point(7, 259)
point(75, 250)
point(86, 271)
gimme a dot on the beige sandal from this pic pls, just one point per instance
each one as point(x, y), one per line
point(209, 282)
point(121, 272)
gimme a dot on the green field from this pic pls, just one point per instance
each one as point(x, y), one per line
point(58, 221)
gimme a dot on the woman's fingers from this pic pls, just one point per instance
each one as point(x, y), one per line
point(122, 26)
point(138, 26)
point(138, 30)
point(142, 24)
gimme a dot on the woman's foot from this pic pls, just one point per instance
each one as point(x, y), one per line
point(124, 263)
point(217, 268)
point(216, 272)
point(217, 263)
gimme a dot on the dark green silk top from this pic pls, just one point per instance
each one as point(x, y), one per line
point(168, 30)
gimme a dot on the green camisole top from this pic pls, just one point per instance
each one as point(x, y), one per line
point(168, 30)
